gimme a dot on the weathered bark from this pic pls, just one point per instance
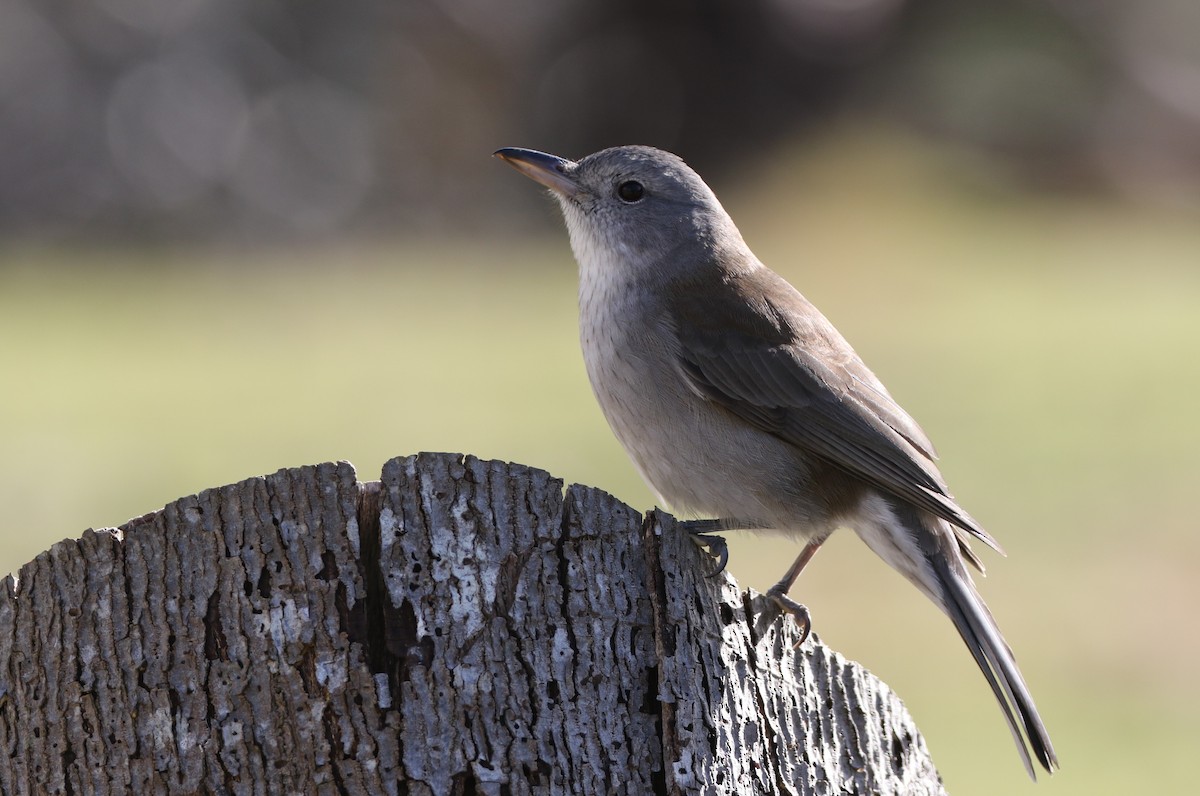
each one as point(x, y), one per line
point(460, 627)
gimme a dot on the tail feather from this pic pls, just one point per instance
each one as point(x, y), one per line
point(978, 629)
point(925, 549)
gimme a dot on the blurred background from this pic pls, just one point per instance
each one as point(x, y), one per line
point(236, 237)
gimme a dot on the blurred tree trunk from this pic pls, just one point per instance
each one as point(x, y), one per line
point(460, 627)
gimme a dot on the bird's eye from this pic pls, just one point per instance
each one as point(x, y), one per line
point(630, 191)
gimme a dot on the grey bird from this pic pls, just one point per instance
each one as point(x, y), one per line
point(737, 400)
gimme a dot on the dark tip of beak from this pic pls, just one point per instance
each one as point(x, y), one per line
point(549, 170)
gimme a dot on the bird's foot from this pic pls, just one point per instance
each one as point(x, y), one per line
point(716, 546)
point(776, 603)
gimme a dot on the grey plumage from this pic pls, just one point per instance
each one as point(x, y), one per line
point(737, 399)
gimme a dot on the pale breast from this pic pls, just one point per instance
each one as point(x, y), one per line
point(693, 454)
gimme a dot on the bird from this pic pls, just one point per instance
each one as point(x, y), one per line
point(737, 400)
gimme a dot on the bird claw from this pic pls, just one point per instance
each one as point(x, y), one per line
point(778, 604)
point(716, 546)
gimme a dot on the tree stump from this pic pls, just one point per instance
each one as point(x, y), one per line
point(459, 627)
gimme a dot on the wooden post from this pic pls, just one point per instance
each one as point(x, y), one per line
point(459, 627)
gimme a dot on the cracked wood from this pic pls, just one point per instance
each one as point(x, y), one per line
point(458, 627)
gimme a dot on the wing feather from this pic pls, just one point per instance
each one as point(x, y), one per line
point(763, 368)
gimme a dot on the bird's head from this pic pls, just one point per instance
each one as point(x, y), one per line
point(631, 207)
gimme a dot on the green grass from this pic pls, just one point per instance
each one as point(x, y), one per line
point(1049, 346)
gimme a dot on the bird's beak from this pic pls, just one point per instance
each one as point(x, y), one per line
point(549, 170)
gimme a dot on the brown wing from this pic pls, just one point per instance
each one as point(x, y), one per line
point(789, 372)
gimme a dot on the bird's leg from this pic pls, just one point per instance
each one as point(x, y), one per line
point(704, 532)
point(780, 603)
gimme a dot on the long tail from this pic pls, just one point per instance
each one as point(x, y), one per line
point(930, 558)
point(978, 629)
